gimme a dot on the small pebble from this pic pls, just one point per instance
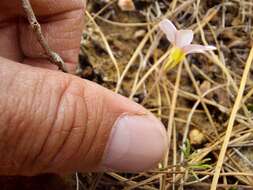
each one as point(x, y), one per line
point(126, 5)
point(196, 137)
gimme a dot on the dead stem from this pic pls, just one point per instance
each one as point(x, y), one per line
point(52, 56)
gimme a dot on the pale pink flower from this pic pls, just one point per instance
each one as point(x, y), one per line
point(182, 38)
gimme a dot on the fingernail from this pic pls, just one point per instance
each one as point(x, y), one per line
point(137, 143)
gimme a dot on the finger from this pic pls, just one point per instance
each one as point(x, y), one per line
point(54, 122)
point(62, 32)
point(61, 24)
point(44, 63)
point(12, 8)
point(9, 42)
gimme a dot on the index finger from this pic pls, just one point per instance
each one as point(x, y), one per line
point(61, 23)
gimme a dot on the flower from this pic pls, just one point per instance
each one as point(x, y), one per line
point(181, 41)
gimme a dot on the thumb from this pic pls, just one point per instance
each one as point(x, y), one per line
point(55, 122)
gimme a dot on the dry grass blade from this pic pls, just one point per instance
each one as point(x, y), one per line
point(231, 121)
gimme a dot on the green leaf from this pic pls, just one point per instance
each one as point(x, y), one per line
point(201, 166)
point(187, 149)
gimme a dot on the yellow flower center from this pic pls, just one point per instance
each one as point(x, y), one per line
point(176, 56)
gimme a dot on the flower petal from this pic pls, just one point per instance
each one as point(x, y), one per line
point(194, 48)
point(169, 29)
point(184, 38)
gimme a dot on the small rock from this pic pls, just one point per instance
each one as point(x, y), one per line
point(126, 5)
point(196, 137)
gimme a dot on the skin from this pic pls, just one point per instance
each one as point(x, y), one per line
point(46, 115)
point(52, 122)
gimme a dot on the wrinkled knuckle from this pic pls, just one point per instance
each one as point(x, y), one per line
point(70, 102)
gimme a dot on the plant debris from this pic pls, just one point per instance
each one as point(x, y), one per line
point(205, 95)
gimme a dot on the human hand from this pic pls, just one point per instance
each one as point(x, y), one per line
point(55, 122)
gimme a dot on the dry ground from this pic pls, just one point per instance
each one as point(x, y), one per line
point(205, 102)
point(197, 100)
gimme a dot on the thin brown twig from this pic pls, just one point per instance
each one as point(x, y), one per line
point(52, 56)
